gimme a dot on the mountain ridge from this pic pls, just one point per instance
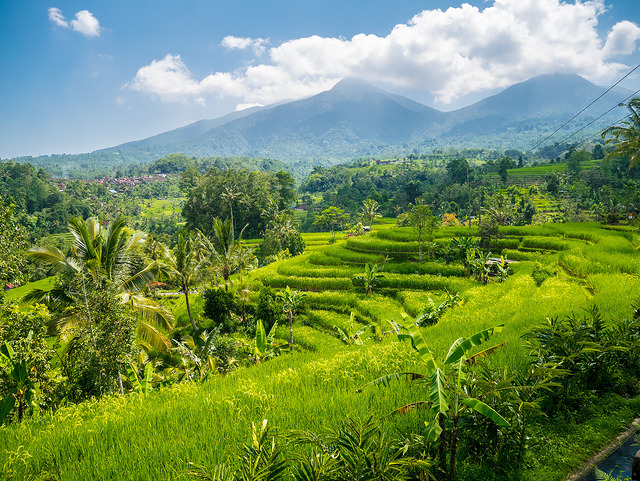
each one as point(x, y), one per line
point(355, 119)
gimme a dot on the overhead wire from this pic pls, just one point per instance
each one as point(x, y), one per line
point(576, 115)
point(599, 117)
point(612, 125)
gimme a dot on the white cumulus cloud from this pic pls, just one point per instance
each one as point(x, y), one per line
point(621, 39)
point(55, 15)
point(84, 23)
point(447, 53)
point(243, 43)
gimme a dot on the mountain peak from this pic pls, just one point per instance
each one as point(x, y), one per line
point(349, 84)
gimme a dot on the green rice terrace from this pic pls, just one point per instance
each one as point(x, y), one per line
point(360, 292)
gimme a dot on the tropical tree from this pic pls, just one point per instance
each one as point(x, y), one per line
point(332, 217)
point(184, 263)
point(227, 253)
point(626, 136)
point(108, 260)
point(422, 221)
point(291, 302)
point(448, 395)
point(229, 195)
point(281, 227)
point(13, 241)
point(370, 211)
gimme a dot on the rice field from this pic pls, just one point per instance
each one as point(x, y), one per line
point(157, 437)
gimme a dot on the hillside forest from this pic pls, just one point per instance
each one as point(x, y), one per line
point(457, 314)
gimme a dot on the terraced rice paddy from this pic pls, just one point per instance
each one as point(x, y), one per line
point(590, 265)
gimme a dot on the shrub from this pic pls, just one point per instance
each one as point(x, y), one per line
point(592, 356)
point(269, 308)
point(540, 273)
point(219, 306)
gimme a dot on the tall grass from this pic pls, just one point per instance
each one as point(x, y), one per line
point(545, 243)
point(319, 258)
point(615, 293)
point(156, 437)
point(301, 267)
point(376, 244)
point(433, 268)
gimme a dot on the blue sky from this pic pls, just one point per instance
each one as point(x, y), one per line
point(83, 75)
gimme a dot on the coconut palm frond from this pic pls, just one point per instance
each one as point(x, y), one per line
point(68, 323)
point(626, 136)
point(86, 236)
point(153, 336)
point(53, 257)
point(138, 280)
point(148, 309)
point(54, 296)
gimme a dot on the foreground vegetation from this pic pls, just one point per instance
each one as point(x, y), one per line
point(191, 428)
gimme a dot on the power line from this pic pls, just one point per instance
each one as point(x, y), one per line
point(598, 118)
point(599, 97)
point(615, 123)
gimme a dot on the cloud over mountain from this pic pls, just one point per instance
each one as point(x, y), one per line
point(447, 53)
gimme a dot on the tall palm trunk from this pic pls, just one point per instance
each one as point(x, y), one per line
point(185, 289)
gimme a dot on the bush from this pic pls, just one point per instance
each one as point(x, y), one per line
point(595, 356)
point(26, 333)
point(269, 308)
point(295, 243)
point(219, 306)
point(541, 273)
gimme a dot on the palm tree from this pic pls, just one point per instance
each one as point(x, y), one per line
point(370, 211)
point(102, 260)
point(626, 137)
point(419, 218)
point(230, 196)
point(227, 253)
point(184, 263)
point(291, 301)
point(282, 227)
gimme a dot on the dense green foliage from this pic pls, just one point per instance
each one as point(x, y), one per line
point(240, 195)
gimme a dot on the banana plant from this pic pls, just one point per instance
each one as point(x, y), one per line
point(371, 277)
point(448, 399)
point(24, 390)
point(198, 356)
point(141, 386)
point(353, 333)
point(263, 347)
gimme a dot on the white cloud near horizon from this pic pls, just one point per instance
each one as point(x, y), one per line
point(449, 54)
point(84, 23)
